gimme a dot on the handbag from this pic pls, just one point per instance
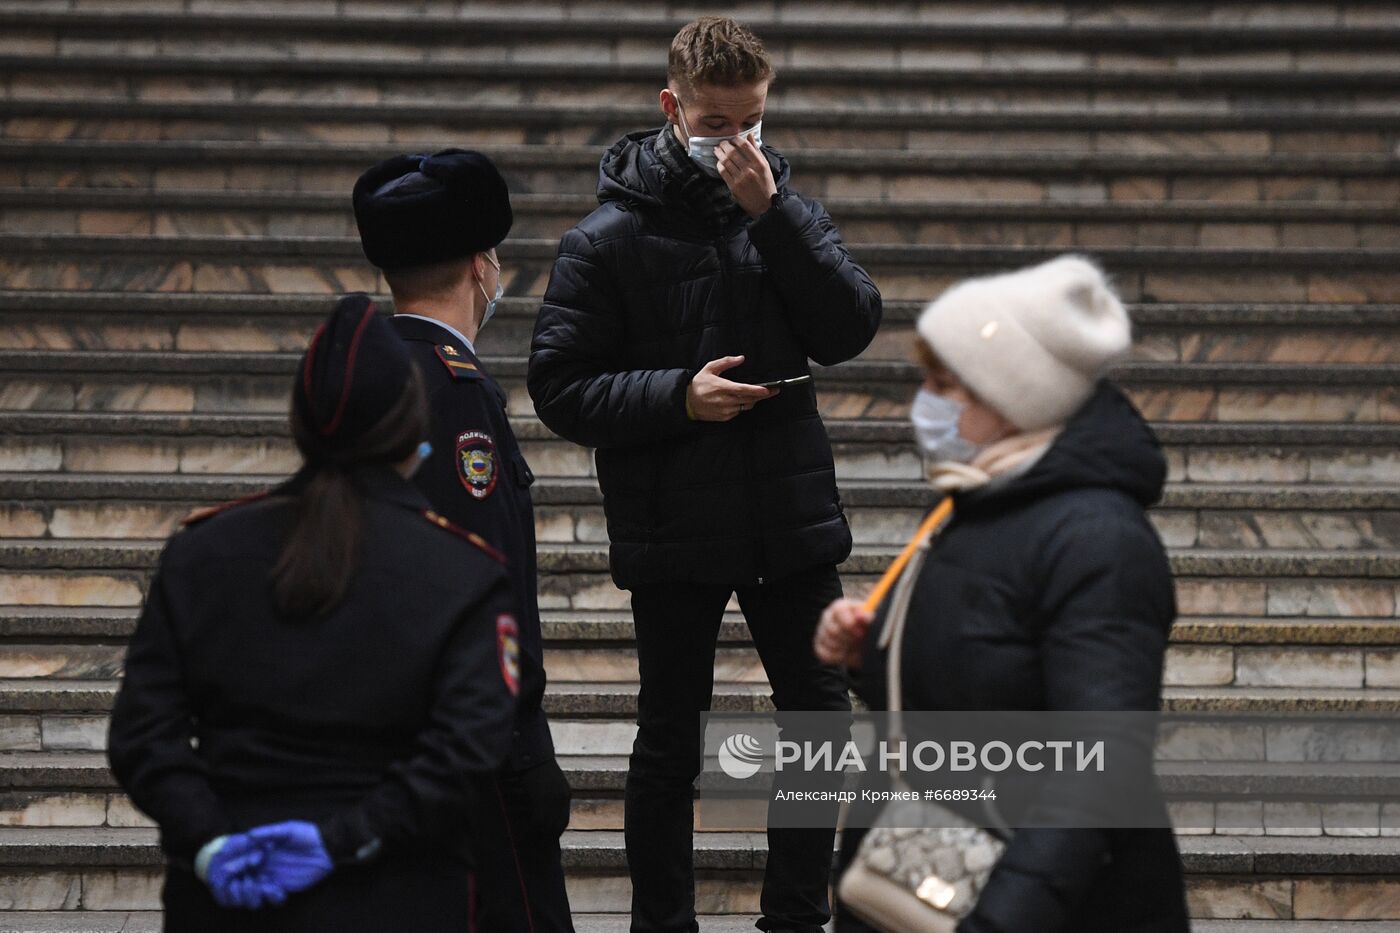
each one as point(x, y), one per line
point(921, 866)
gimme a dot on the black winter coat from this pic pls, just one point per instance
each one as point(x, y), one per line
point(369, 721)
point(643, 294)
point(1053, 592)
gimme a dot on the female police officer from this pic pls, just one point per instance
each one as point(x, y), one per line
point(318, 671)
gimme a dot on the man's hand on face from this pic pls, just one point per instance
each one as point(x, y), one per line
point(746, 171)
point(711, 397)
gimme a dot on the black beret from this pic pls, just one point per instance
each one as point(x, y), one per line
point(351, 376)
point(414, 210)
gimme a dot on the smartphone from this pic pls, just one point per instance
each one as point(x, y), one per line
point(784, 383)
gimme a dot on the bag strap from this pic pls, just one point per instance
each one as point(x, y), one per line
point(933, 520)
point(906, 569)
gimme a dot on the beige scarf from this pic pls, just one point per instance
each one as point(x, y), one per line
point(1002, 461)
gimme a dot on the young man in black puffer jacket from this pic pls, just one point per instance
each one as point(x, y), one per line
point(700, 276)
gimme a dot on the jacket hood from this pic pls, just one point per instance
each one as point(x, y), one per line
point(1105, 444)
point(631, 173)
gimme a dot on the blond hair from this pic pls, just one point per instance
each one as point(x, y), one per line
point(716, 50)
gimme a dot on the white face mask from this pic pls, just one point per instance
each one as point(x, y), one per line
point(701, 149)
point(491, 302)
point(935, 421)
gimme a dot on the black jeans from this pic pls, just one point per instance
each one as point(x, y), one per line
point(677, 626)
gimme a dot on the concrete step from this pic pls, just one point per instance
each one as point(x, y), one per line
point(593, 719)
point(589, 631)
point(1215, 665)
point(202, 444)
point(1343, 652)
point(1278, 585)
point(66, 777)
point(253, 264)
point(80, 921)
point(973, 165)
point(562, 560)
point(70, 714)
point(76, 790)
point(299, 265)
point(982, 126)
point(1328, 666)
point(1202, 333)
point(1086, 224)
point(119, 506)
point(118, 869)
point(513, 95)
point(209, 383)
point(1116, 23)
point(553, 124)
point(314, 82)
point(210, 69)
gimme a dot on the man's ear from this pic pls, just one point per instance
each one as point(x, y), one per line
point(669, 106)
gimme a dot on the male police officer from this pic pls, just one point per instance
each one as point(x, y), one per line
point(701, 277)
point(432, 224)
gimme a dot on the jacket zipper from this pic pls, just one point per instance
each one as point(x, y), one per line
point(760, 557)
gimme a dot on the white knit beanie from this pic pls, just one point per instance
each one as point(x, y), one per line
point(1030, 343)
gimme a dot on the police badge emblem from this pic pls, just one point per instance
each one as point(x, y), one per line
point(477, 467)
point(508, 651)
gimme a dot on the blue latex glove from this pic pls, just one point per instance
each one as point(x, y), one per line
point(294, 857)
point(232, 873)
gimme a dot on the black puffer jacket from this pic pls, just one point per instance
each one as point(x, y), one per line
point(643, 294)
point(1053, 592)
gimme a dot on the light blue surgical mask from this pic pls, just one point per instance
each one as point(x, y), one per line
point(423, 452)
point(935, 421)
point(701, 149)
point(490, 301)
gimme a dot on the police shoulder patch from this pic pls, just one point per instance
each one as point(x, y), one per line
point(456, 362)
point(508, 651)
point(460, 532)
point(209, 511)
point(478, 466)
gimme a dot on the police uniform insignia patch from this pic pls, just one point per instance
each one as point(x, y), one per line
point(508, 650)
point(477, 465)
point(451, 357)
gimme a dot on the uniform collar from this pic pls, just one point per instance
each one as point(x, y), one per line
point(461, 337)
point(378, 481)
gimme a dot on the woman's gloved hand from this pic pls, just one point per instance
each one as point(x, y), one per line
point(294, 857)
point(261, 867)
point(231, 866)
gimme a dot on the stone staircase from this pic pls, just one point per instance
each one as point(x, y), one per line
point(174, 218)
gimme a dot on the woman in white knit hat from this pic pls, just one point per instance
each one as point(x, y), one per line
point(1048, 589)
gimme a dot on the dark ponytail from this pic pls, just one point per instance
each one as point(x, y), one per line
point(321, 551)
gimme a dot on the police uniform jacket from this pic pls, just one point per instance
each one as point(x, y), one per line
point(478, 478)
point(368, 721)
